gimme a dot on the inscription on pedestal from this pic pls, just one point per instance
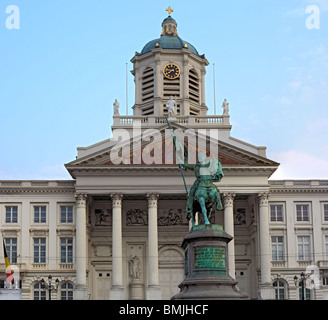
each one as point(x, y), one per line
point(210, 258)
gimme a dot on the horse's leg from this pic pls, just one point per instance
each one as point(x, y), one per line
point(204, 211)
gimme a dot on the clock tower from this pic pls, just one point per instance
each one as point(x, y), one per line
point(169, 66)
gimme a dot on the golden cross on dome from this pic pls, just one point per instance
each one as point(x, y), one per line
point(169, 10)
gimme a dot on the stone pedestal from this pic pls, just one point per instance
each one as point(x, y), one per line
point(136, 290)
point(206, 265)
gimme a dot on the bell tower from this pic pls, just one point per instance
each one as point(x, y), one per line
point(169, 66)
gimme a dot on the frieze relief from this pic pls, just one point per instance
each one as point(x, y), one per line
point(136, 217)
point(165, 217)
point(103, 217)
point(240, 216)
point(172, 217)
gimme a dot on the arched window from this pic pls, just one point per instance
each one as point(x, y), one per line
point(66, 291)
point(280, 289)
point(38, 292)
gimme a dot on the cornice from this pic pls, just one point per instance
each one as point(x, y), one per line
point(136, 170)
point(299, 190)
point(27, 190)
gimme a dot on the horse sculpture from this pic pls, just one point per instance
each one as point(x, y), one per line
point(204, 194)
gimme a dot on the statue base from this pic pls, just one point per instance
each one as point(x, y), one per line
point(136, 290)
point(206, 266)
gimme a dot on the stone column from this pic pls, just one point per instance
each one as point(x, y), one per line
point(266, 290)
point(117, 289)
point(80, 289)
point(229, 228)
point(153, 289)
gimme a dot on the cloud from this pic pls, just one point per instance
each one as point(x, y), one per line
point(299, 165)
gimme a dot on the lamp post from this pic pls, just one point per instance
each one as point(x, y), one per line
point(302, 282)
point(49, 286)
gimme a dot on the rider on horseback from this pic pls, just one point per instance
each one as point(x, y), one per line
point(206, 173)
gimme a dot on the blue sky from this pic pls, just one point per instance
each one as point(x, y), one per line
point(62, 70)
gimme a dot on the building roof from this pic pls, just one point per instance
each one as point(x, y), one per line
point(169, 39)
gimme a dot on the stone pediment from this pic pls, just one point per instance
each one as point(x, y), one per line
point(154, 149)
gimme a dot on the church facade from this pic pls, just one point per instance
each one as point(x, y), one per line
point(115, 230)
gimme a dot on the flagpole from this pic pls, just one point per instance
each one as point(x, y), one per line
point(127, 96)
point(214, 90)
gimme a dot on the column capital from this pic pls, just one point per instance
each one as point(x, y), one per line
point(81, 199)
point(263, 198)
point(228, 199)
point(152, 200)
point(116, 200)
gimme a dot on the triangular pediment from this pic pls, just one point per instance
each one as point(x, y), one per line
point(155, 149)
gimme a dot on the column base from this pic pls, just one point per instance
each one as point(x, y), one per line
point(116, 293)
point(80, 292)
point(266, 292)
point(153, 293)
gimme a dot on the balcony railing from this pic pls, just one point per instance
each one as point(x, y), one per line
point(154, 121)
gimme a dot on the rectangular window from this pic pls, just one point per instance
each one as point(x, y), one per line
point(302, 212)
point(277, 248)
point(66, 214)
point(325, 212)
point(11, 214)
point(325, 281)
point(326, 246)
point(303, 247)
point(40, 213)
point(307, 293)
point(11, 249)
point(66, 250)
point(39, 250)
point(276, 213)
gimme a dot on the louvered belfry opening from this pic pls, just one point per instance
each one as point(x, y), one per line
point(147, 91)
point(194, 92)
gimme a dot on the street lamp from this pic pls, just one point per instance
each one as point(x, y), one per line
point(49, 286)
point(302, 282)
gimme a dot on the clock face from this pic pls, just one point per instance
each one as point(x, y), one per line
point(171, 71)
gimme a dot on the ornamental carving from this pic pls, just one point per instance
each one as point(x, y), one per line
point(152, 200)
point(116, 200)
point(228, 199)
point(136, 217)
point(103, 217)
point(263, 198)
point(172, 217)
point(81, 199)
point(240, 216)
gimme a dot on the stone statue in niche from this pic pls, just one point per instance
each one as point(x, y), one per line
point(102, 217)
point(136, 217)
point(135, 267)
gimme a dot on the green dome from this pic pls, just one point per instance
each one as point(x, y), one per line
point(168, 42)
point(169, 39)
